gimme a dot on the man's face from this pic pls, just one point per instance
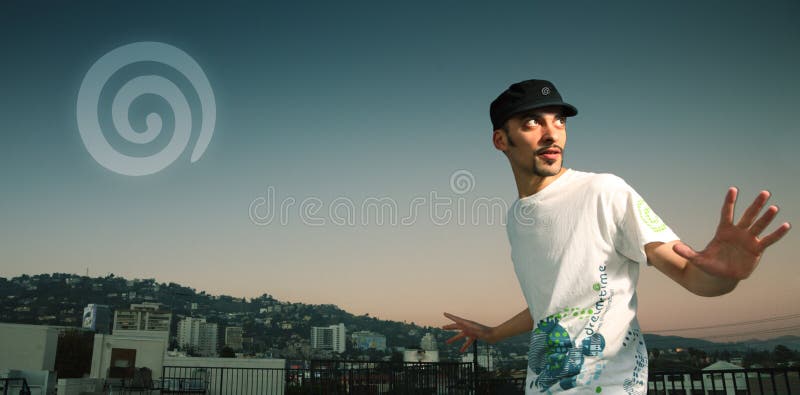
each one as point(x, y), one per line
point(534, 141)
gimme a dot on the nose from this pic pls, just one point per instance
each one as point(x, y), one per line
point(550, 133)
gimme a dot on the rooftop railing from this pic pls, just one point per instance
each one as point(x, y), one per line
point(379, 378)
point(14, 385)
point(755, 381)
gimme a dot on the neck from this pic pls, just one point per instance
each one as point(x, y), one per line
point(529, 183)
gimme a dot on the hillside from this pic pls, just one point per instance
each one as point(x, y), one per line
point(273, 327)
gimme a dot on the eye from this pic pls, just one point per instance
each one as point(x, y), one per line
point(529, 124)
point(561, 121)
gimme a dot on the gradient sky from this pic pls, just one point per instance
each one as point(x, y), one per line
point(370, 99)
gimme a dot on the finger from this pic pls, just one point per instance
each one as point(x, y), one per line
point(771, 238)
point(454, 327)
point(451, 327)
point(726, 217)
point(455, 318)
point(461, 322)
point(750, 214)
point(467, 344)
point(685, 251)
point(764, 221)
point(456, 337)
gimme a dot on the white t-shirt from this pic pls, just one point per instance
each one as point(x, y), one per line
point(577, 246)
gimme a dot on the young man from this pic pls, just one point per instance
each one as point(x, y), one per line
point(577, 242)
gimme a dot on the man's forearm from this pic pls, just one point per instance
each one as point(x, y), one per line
point(518, 324)
point(685, 273)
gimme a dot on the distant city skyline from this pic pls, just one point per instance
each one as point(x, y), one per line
point(353, 112)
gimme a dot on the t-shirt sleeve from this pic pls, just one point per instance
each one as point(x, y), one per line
point(637, 224)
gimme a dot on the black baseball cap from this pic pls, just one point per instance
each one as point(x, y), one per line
point(524, 96)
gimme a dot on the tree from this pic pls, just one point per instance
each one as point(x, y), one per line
point(397, 356)
point(782, 354)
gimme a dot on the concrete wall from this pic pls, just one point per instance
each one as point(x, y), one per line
point(149, 353)
point(28, 347)
point(79, 386)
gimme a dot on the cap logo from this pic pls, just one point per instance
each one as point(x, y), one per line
point(546, 91)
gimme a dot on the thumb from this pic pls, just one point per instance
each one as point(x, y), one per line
point(684, 251)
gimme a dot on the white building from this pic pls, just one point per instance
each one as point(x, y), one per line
point(28, 347)
point(117, 356)
point(29, 352)
point(144, 319)
point(233, 337)
point(332, 337)
point(198, 335)
point(420, 356)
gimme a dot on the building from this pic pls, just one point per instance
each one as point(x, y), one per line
point(428, 342)
point(29, 352)
point(366, 340)
point(144, 319)
point(28, 347)
point(420, 355)
point(233, 337)
point(199, 336)
point(97, 318)
point(329, 338)
point(118, 356)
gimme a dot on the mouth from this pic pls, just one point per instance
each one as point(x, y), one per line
point(550, 153)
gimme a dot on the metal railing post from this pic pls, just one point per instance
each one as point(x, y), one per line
point(221, 381)
point(475, 366)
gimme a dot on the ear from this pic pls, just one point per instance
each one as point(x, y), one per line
point(500, 140)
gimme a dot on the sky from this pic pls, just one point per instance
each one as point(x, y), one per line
point(319, 112)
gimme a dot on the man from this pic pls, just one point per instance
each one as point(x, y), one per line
point(577, 242)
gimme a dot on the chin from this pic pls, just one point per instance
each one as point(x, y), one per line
point(547, 171)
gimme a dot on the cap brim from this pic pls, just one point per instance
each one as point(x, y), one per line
point(569, 109)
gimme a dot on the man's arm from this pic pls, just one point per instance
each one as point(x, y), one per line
point(471, 330)
point(731, 256)
point(679, 269)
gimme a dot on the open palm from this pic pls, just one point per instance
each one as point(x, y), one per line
point(736, 249)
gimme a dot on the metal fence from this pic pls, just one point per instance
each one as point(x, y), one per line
point(766, 381)
point(388, 378)
point(14, 385)
point(323, 377)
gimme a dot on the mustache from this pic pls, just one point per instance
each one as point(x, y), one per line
point(543, 149)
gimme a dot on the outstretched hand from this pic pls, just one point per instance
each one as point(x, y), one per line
point(736, 249)
point(470, 330)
